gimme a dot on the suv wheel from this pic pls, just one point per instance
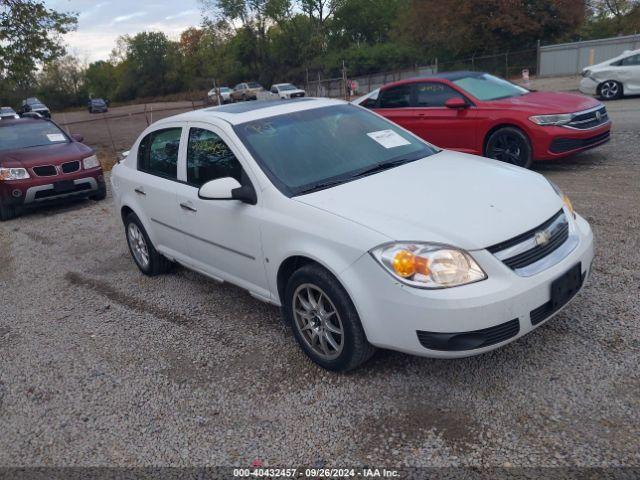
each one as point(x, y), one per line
point(7, 212)
point(324, 320)
point(149, 261)
point(510, 145)
point(101, 194)
point(610, 90)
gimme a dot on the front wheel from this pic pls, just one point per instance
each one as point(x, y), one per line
point(147, 258)
point(510, 145)
point(610, 90)
point(324, 320)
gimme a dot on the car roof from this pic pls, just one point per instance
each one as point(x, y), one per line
point(19, 121)
point(238, 113)
point(279, 84)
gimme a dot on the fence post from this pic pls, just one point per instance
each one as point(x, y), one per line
point(538, 58)
point(506, 65)
point(113, 143)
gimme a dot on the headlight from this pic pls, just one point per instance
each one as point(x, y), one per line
point(545, 120)
point(565, 199)
point(91, 162)
point(426, 265)
point(13, 174)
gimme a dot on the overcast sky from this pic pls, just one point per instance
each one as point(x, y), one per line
point(100, 22)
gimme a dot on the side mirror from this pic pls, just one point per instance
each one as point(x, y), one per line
point(77, 137)
point(457, 103)
point(228, 188)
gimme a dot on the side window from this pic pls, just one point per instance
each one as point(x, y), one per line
point(208, 158)
point(632, 60)
point(158, 153)
point(396, 97)
point(433, 94)
point(237, 87)
point(274, 90)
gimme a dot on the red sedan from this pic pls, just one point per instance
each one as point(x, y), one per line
point(478, 113)
point(40, 163)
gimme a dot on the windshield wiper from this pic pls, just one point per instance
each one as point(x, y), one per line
point(379, 167)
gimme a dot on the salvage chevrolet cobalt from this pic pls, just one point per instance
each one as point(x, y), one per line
point(364, 234)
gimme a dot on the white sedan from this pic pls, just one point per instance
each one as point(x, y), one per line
point(364, 234)
point(225, 93)
point(614, 78)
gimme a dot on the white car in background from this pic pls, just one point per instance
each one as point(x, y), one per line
point(614, 78)
point(225, 93)
point(363, 233)
point(287, 90)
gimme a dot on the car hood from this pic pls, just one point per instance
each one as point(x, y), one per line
point(548, 102)
point(452, 198)
point(289, 92)
point(45, 155)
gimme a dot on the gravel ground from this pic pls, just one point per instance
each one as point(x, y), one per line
point(100, 365)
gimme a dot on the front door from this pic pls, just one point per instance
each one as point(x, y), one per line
point(444, 127)
point(223, 235)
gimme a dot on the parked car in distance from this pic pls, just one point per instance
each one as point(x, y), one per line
point(225, 93)
point(474, 112)
point(8, 112)
point(98, 105)
point(363, 233)
point(287, 90)
point(246, 91)
point(614, 78)
point(40, 163)
point(32, 104)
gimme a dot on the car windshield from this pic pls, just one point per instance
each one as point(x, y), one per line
point(225, 89)
point(287, 86)
point(30, 134)
point(487, 87)
point(97, 101)
point(319, 148)
point(254, 85)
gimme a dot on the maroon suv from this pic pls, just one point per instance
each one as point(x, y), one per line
point(40, 163)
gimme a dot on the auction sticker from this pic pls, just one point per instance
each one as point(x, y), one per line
point(388, 138)
point(56, 137)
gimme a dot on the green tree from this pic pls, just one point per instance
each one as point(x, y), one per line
point(101, 79)
point(29, 37)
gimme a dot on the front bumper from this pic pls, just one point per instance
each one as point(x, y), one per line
point(588, 86)
point(392, 313)
point(553, 142)
point(37, 190)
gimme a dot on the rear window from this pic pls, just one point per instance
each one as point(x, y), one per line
point(30, 134)
point(254, 85)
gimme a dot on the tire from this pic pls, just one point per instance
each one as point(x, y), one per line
point(335, 313)
point(7, 212)
point(101, 194)
point(510, 145)
point(610, 90)
point(155, 263)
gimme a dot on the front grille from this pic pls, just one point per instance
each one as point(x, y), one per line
point(460, 341)
point(560, 145)
point(557, 231)
point(297, 95)
point(544, 311)
point(71, 167)
point(590, 119)
point(45, 171)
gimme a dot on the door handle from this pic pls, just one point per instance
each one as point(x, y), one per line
point(139, 191)
point(188, 206)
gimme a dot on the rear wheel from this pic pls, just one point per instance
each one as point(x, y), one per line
point(510, 145)
point(147, 258)
point(325, 322)
point(610, 90)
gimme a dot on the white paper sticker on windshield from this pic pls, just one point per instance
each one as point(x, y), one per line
point(55, 137)
point(388, 138)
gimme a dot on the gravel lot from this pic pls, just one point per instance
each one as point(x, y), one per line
point(100, 365)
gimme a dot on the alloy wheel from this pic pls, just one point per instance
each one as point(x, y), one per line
point(610, 90)
point(138, 245)
point(509, 148)
point(318, 321)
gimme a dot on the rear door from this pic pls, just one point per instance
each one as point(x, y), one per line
point(154, 185)
point(394, 103)
point(444, 127)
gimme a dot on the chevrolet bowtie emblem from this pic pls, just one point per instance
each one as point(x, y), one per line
point(542, 237)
